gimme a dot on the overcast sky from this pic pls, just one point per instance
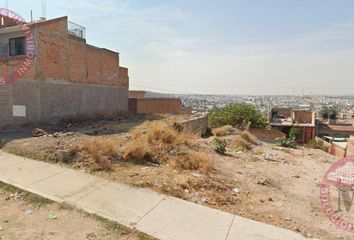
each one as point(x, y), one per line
point(220, 47)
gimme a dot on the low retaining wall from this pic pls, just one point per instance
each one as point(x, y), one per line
point(197, 125)
point(267, 135)
point(350, 147)
point(333, 148)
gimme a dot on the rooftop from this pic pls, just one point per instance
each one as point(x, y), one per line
point(73, 28)
point(338, 128)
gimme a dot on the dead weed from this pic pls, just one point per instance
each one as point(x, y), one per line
point(223, 131)
point(101, 150)
point(193, 161)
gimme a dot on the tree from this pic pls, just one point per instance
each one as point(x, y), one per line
point(329, 112)
point(324, 112)
point(237, 115)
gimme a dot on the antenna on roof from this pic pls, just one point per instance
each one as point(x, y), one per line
point(2, 21)
point(44, 9)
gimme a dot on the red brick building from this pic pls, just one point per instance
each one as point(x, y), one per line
point(67, 77)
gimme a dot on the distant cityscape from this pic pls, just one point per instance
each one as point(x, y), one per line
point(205, 103)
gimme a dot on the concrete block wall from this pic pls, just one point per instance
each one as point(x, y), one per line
point(198, 125)
point(5, 106)
point(50, 101)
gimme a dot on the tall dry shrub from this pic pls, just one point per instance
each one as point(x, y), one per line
point(193, 161)
point(101, 150)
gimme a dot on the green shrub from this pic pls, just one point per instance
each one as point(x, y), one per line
point(237, 115)
point(220, 146)
point(290, 142)
point(317, 145)
point(295, 133)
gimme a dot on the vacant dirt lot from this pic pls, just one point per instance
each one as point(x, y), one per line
point(256, 180)
point(25, 216)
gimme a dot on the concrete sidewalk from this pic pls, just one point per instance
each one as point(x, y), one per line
point(160, 216)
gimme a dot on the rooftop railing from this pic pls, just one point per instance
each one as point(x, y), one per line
point(76, 30)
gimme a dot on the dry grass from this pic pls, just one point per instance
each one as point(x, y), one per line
point(246, 136)
point(193, 161)
point(159, 142)
point(223, 131)
point(242, 145)
point(159, 131)
point(151, 142)
point(102, 151)
point(137, 151)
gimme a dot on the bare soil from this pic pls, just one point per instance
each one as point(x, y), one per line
point(25, 216)
point(266, 183)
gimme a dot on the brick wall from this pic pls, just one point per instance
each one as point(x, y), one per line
point(123, 77)
point(286, 112)
point(156, 105)
point(307, 134)
point(69, 58)
point(303, 116)
point(137, 94)
point(64, 57)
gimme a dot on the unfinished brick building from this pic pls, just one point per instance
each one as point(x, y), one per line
point(68, 77)
point(284, 119)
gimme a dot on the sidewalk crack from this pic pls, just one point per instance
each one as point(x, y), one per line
point(150, 211)
point(41, 180)
point(228, 232)
point(91, 192)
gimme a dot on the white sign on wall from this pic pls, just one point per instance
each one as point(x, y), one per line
point(19, 110)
